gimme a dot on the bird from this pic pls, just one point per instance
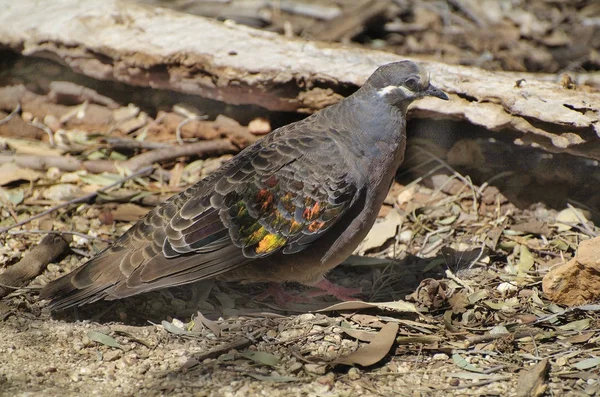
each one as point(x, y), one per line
point(288, 208)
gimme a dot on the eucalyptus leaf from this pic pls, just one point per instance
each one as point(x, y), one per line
point(104, 339)
point(262, 358)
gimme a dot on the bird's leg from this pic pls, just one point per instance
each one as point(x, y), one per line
point(328, 288)
point(280, 296)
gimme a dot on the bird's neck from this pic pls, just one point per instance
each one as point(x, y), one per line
point(371, 122)
point(374, 132)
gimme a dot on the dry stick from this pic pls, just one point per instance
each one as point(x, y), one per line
point(201, 148)
point(85, 198)
point(16, 110)
point(33, 263)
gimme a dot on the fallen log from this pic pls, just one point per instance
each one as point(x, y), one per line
point(146, 46)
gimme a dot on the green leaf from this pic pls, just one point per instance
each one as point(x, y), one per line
point(447, 221)
point(578, 325)
point(526, 261)
point(464, 364)
point(104, 339)
point(587, 363)
point(261, 358)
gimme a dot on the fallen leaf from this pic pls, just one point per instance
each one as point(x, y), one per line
point(10, 172)
point(578, 325)
point(211, 325)
point(176, 330)
point(526, 261)
point(382, 232)
point(362, 335)
point(262, 358)
point(532, 381)
point(106, 340)
point(398, 306)
point(129, 212)
point(464, 364)
point(587, 363)
point(533, 227)
point(373, 352)
point(569, 216)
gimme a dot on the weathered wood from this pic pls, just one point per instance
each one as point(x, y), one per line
point(146, 46)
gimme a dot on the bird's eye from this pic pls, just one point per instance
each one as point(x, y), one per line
point(411, 83)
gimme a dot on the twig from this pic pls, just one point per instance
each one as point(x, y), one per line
point(65, 163)
point(33, 263)
point(457, 280)
point(125, 143)
point(47, 130)
point(85, 198)
point(59, 232)
point(190, 114)
point(16, 110)
point(582, 220)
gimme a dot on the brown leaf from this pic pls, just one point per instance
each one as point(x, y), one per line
point(211, 325)
point(532, 380)
point(10, 172)
point(373, 352)
point(362, 335)
point(533, 227)
point(129, 212)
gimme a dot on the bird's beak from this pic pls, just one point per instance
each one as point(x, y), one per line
point(436, 92)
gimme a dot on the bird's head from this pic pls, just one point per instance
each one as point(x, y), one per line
point(400, 83)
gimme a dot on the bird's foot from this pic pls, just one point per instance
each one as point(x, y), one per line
point(342, 293)
point(280, 296)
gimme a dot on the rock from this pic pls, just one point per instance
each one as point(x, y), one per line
point(578, 281)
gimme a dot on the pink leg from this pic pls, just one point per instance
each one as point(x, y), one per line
point(342, 293)
point(280, 296)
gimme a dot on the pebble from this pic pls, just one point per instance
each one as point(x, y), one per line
point(315, 369)
point(354, 373)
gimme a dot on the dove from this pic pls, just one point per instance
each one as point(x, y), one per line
point(288, 208)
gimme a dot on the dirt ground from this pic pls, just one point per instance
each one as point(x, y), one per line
point(452, 270)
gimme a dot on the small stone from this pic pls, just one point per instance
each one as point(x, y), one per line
point(295, 367)
point(405, 236)
point(259, 126)
point(52, 122)
point(305, 317)
point(27, 116)
point(354, 373)
point(440, 357)
point(327, 380)
point(112, 355)
point(315, 369)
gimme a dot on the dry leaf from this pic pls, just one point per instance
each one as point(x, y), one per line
point(532, 380)
point(398, 306)
point(362, 335)
point(10, 172)
point(262, 358)
point(373, 352)
point(104, 339)
point(211, 325)
point(129, 212)
point(525, 262)
point(570, 216)
point(381, 232)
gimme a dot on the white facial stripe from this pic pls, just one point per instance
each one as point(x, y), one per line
point(424, 77)
point(391, 88)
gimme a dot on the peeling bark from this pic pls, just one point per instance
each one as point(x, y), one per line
point(146, 46)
